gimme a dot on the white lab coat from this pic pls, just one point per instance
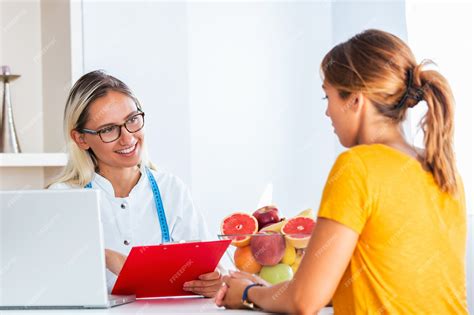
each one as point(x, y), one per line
point(134, 219)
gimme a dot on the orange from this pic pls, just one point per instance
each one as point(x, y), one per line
point(244, 260)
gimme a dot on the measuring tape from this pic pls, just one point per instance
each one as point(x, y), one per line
point(165, 233)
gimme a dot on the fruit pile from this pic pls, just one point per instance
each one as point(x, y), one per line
point(266, 244)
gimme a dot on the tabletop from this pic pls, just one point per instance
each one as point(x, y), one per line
point(194, 305)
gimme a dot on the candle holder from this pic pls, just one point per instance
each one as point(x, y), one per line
point(8, 137)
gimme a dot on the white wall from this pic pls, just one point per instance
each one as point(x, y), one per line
point(148, 50)
point(256, 110)
point(232, 94)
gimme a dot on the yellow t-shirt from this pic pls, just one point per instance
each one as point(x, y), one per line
point(410, 256)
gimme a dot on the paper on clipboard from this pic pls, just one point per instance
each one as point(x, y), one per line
point(161, 270)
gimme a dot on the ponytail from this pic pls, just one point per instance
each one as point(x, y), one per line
point(383, 67)
point(438, 126)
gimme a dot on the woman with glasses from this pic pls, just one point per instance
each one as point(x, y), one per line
point(140, 205)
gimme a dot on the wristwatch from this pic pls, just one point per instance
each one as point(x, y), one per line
point(245, 300)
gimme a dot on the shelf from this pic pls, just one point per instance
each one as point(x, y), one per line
point(33, 159)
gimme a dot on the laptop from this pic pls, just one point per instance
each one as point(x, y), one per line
point(52, 251)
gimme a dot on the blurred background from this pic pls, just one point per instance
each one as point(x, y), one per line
point(231, 89)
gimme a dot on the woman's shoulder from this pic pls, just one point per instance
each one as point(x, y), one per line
point(381, 161)
point(364, 157)
point(363, 150)
point(353, 156)
point(377, 152)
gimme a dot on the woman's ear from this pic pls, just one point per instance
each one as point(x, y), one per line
point(357, 102)
point(79, 139)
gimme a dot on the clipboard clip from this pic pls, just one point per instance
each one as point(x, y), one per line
point(181, 242)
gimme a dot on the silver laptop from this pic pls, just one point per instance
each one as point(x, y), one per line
point(52, 251)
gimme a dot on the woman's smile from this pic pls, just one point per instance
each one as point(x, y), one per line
point(128, 151)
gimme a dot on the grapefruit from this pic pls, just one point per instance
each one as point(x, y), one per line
point(237, 224)
point(244, 260)
point(298, 231)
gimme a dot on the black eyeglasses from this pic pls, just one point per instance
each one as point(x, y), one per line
point(111, 133)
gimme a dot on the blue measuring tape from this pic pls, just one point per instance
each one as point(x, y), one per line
point(165, 233)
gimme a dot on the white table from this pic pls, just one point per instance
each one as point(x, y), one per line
point(153, 306)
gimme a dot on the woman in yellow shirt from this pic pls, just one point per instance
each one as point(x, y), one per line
point(391, 231)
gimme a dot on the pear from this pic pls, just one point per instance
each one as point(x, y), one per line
point(275, 227)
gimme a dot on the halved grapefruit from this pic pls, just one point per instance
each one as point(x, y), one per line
point(237, 224)
point(298, 230)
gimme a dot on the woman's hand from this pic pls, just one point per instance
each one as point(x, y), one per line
point(207, 285)
point(252, 277)
point(231, 291)
point(230, 294)
point(114, 261)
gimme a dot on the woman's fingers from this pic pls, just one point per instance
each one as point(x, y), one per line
point(208, 284)
point(206, 288)
point(241, 275)
point(201, 283)
point(206, 291)
point(226, 280)
point(221, 294)
point(211, 276)
point(248, 276)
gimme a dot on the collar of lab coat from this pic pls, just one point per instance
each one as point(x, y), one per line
point(107, 187)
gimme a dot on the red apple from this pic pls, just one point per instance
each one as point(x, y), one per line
point(268, 248)
point(266, 215)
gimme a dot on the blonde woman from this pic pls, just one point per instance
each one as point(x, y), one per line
point(391, 231)
point(140, 204)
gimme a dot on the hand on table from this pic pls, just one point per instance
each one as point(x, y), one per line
point(230, 293)
point(207, 285)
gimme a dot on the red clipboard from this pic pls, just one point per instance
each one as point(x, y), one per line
point(161, 270)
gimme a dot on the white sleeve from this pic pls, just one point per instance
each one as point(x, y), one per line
point(111, 278)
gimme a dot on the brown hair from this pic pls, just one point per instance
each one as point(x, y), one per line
point(383, 68)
